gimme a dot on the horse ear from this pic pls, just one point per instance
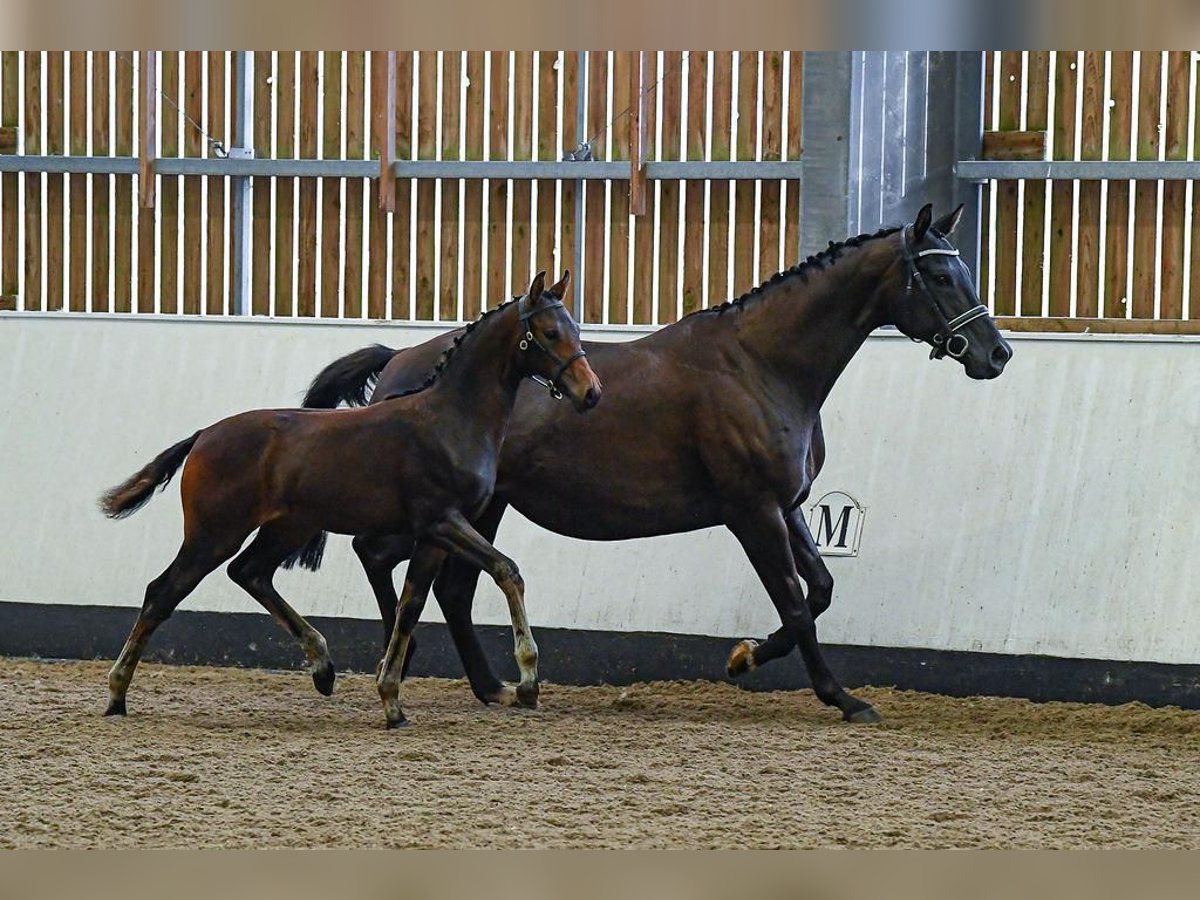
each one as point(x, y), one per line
point(946, 224)
point(559, 290)
point(924, 218)
point(536, 287)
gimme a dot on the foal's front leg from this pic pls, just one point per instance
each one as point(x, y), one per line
point(426, 559)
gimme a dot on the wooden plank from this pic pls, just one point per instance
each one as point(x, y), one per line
point(77, 217)
point(1145, 222)
point(1033, 250)
point(595, 216)
point(1062, 193)
point(426, 245)
point(668, 199)
point(306, 252)
point(497, 188)
point(639, 84)
point(356, 92)
point(1007, 191)
point(377, 240)
point(545, 233)
point(193, 185)
point(122, 129)
point(1091, 148)
point(285, 188)
point(214, 124)
point(55, 184)
point(1021, 144)
point(9, 135)
point(401, 219)
point(33, 298)
point(644, 301)
point(102, 298)
point(383, 123)
point(147, 182)
point(719, 287)
point(472, 247)
point(618, 222)
point(745, 216)
point(168, 188)
point(1099, 326)
point(570, 141)
point(260, 269)
point(523, 267)
point(331, 188)
point(693, 206)
point(1116, 249)
point(1174, 224)
point(1193, 311)
point(769, 260)
point(10, 112)
point(451, 148)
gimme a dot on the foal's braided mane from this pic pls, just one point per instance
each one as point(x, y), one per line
point(802, 269)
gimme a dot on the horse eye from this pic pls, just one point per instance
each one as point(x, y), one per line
point(552, 334)
point(942, 280)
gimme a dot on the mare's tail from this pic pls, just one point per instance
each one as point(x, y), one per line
point(132, 494)
point(347, 380)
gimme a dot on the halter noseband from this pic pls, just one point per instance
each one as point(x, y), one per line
point(944, 339)
point(530, 338)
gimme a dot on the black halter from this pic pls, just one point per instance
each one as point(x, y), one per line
point(946, 336)
point(530, 338)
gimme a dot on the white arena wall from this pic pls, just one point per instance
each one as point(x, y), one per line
point(1051, 512)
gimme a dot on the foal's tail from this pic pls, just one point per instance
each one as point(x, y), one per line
point(132, 494)
point(347, 379)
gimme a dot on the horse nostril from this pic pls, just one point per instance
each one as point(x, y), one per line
point(1001, 355)
point(592, 397)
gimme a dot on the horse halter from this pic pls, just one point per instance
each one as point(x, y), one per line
point(946, 336)
point(530, 338)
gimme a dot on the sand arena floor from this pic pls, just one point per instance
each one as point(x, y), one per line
point(241, 758)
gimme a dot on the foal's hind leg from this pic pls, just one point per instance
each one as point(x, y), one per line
point(163, 594)
point(254, 570)
point(426, 560)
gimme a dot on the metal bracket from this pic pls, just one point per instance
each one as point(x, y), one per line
point(240, 153)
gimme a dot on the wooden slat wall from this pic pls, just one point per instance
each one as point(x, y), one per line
point(10, 117)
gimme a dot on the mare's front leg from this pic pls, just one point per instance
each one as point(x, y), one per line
point(763, 534)
point(427, 558)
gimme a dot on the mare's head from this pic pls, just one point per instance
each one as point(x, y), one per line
point(931, 298)
point(549, 349)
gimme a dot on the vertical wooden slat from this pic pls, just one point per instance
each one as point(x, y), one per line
point(401, 218)
point(451, 148)
point(102, 299)
point(1193, 275)
point(193, 185)
point(122, 129)
point(719, 288)
point(55, 184)
point(149, 192)
point(795, 149)
point(260, 284)
point(570, 141)
point(1091, 147)
point(1033, 245)
point(639, 87)
point(618, 224)
point(693, 213)
point(473, 199)
point(644, 301)
point(377, 243)
point(77, 184)
point(33, 182)
point(1116, 251)
point(10, 104)
point(1062, 193)
point(426, 194)
point(1145, 222)
point(668, 201)
point(168, 187)
point(306, 278)
point(1006, 199)
point(331, 188)
point(497, 287)
point(1175, 192)
point(746, 220)
point(356, 89)
point(769, 261)
point(547, 145)
point(594, 215)
point(214, 124)
point(285, 188)
point(522, 189)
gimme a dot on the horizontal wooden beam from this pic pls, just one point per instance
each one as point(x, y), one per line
point(1055, 325)
point(1014, 145)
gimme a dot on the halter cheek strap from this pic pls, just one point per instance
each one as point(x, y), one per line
point(531, 339)
point(947, 340)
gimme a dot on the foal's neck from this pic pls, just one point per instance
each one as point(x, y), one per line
point(481, 377)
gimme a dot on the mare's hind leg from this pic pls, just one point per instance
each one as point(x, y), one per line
point(254, 571)
point(749, 655)
point(163, 594)
point(455, 533)
point(379, 555)
point(426, 560)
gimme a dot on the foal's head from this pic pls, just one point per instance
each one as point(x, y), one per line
point(549, 346)
point(932, 298)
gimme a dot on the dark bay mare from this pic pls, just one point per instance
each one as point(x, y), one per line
point(714, 420)
point(423, 464)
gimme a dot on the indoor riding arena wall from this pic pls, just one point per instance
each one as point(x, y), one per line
point(1029, 537)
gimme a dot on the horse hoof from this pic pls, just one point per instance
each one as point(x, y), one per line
point(864, 716)
point(527, 695)
point(397, 723)
point(115, 707)
point(741, 659)
point(323, 677)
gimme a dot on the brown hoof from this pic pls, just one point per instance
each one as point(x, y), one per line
point(323, 677)
point(864, 716)
point(741, 659)
point(115, 707)
point(527, 695)
point(397, 723)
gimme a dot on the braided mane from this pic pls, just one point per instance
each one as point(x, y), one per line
point(802, 269)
